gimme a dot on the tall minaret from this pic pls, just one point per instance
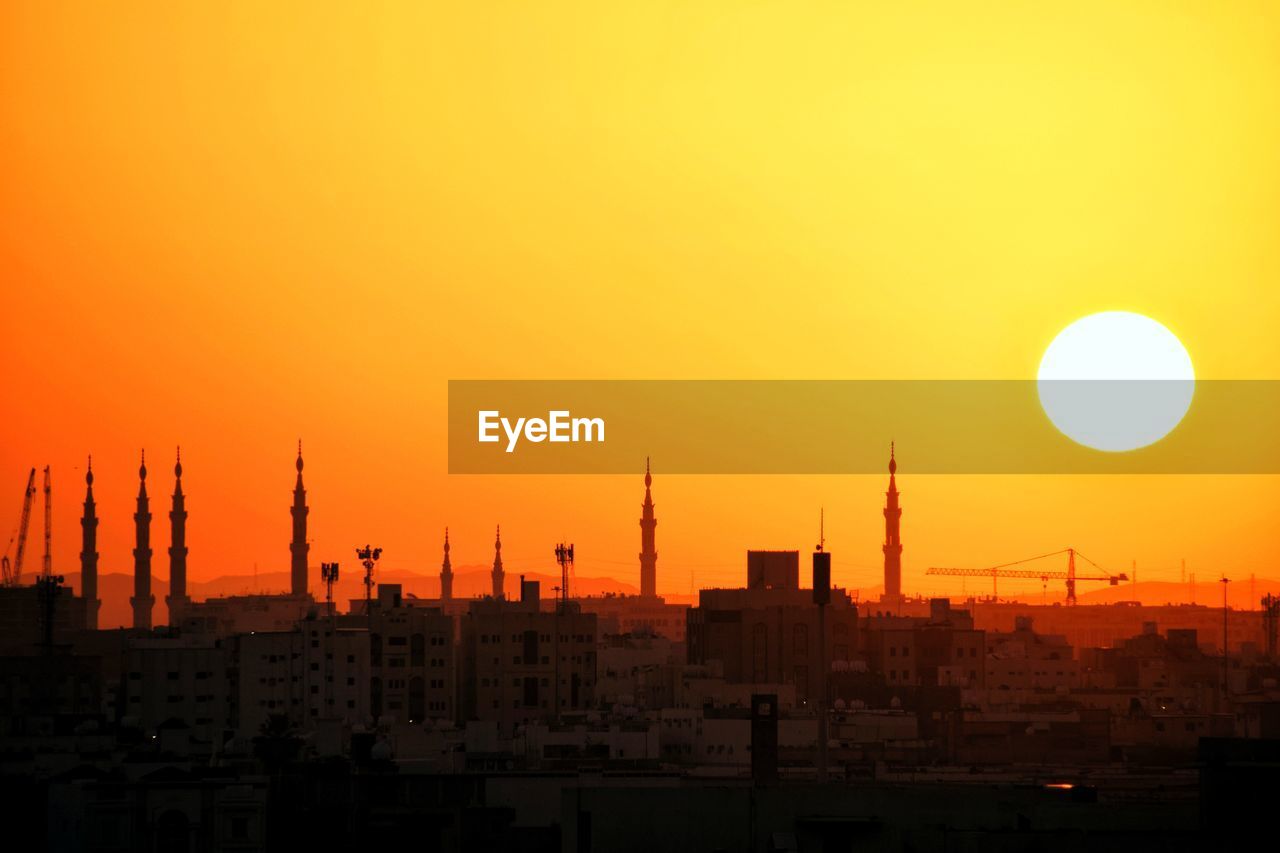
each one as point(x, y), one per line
point(648, 556)
point(497, 564)
point(177, 598)
point(892, 539)
point(298, 548)
point(446, 572)
point(89, 553)
point(142, 600)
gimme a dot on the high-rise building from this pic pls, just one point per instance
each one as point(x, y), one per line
point(648, 554)
point(89, 553)
point(892, 537)
point(299, 547)
point(142, 599)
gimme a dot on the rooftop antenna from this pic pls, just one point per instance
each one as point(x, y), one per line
point(564, 556)
point(368, 557)
point(329, 574)
point(822, 538)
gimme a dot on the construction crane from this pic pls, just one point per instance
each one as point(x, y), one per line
point(1006, 570)
point(46, 564)
point(13, 572)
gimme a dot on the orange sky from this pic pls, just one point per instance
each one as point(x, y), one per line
point(230, 226)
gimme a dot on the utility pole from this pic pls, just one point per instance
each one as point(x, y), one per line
point(1225, 580)
point(368, 557)
point(564, 556)
point(329, 574)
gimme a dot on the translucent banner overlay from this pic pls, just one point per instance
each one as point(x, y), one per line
point(845, 426)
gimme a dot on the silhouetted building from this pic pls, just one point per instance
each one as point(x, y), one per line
point(520, 663)
point(939, 650)
point(44, 694)
point(166, 809)
point(89, 552)
point(767, 633)
point(178, 678)
point(1022, 660)
point(242, 614)
point(142, 599)
point(636, 614)
point(22, 617)
point(773, 570)
point(411, 661)
point(313, 673)
point(299, 547)
point(648, 552)
point(177, 598)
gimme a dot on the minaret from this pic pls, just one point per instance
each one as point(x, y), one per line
point(648, 556)
point(177, 598)
point(298, 548)
point(892, 539)
point(446, 572)
point(142, 600)
point(497, 564)
point(89, 553)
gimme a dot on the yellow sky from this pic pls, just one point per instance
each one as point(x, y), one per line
point(230, 226)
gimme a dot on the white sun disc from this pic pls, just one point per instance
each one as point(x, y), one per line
point(1116, 381)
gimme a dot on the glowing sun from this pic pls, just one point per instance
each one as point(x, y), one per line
point(1116, 381)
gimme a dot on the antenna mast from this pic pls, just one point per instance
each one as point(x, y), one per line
point(564, 556)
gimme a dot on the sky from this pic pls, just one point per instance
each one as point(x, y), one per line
point(228, 226)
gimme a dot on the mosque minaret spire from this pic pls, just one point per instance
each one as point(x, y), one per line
point(142, 599)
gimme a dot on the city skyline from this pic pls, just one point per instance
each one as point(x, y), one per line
point(577, 427)
point(303, 576)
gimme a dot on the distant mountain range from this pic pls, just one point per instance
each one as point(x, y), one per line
point(114, 589)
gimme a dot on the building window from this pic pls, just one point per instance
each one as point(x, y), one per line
point(800, 640)
point(418, 650)
point(760, 653)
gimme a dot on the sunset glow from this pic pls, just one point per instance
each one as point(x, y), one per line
point(231, 226)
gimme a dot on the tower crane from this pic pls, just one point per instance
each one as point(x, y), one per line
point(46, 564)
point(13, 572)
point(1007, 570)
